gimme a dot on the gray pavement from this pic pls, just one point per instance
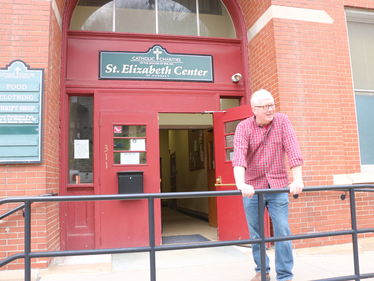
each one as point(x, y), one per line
point(229, 263)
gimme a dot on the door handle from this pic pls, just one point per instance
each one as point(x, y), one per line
point(219, 182)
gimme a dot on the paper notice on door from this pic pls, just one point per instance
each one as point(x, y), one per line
point(81, 149)
point(137, 145)
point(130, 158)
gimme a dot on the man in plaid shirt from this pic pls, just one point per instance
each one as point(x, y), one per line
point(261, 143)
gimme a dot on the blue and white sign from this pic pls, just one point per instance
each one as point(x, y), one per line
point(21, 90)
point(156, 64)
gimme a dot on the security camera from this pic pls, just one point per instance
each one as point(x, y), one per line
point(236, 77)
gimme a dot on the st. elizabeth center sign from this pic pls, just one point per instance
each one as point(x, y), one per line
point(155, 64)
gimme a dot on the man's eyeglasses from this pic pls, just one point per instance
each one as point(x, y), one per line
point(266, 107)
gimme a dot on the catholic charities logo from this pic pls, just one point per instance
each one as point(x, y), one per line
point(156, 64)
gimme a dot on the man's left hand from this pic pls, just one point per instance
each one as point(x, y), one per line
point(296, 187)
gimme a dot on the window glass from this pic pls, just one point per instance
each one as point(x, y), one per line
point(226, 103)
point(229, 154)
point(361, 42)
point(229, 141)
point(80, 140)
point(365, 121)
point(129, 131)
point(231, 126)
point(179, 17)
point(361, 37)
point(214, 20)
point(229, 138)
point(129, 144)
point(93, 15)
point(135, 16)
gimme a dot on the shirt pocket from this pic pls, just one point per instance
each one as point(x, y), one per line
point(275, 138)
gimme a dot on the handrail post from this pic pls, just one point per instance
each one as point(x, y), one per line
point(354, 234)
point(261, 216)
point(27, 237)
point(151, 226)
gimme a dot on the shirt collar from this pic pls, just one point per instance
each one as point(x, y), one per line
point(264, 126)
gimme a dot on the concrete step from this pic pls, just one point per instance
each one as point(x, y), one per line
point(181, 265)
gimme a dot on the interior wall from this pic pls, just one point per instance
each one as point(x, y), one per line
point(165, 161)
point(176, 141)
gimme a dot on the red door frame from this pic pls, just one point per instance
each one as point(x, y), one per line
point(76, 88)
point(116, 102)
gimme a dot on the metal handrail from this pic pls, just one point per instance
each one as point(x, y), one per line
point(20, 207)
point(27, 255)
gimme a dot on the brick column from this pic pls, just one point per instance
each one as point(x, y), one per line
point(31, 32)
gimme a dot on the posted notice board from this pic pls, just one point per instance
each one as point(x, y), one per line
point(21, 92)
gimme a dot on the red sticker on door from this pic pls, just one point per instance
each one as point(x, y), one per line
point(117, 129)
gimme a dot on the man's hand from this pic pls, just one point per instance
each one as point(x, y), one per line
point(246, 189)
point(296, 187)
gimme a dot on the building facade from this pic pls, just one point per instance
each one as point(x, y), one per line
point(156, 88)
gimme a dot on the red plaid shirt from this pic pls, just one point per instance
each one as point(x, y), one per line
point(262, 150)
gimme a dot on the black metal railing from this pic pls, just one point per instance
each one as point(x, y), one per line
point(27, 255)
point(21, 207)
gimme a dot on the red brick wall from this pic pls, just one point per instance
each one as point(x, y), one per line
point(252, 10)
point(262, 69)
point(33, 35)
point(307, 67)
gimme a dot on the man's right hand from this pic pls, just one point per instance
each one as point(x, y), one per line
point(246, 189)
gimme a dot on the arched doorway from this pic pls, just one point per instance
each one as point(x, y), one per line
point(119, 78)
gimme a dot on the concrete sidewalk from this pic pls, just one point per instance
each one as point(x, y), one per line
point(232, 263)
